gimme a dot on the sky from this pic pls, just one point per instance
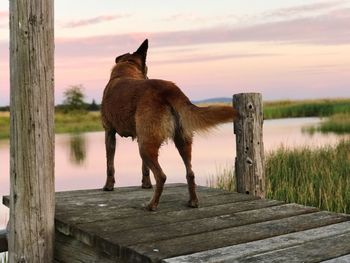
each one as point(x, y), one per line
point(290, 49)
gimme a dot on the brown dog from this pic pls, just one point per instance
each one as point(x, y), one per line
point(152, 111)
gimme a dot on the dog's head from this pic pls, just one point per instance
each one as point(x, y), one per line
point(134, 63)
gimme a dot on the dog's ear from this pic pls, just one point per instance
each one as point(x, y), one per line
point(118, 58)
point(142, 50)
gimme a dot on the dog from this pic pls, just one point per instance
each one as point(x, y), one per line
point(153, 111)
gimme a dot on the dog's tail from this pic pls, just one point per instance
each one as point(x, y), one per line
point(192, 118)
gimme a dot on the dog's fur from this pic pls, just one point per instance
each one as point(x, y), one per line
point(152, 111)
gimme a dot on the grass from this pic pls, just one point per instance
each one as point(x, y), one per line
point(223, 179)
point(318, 177)
point(305, 108)
point(77, 122)
point(64, 123)
point(338, 123)
point(4, 125)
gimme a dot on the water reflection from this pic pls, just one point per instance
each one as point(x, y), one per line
point(77, 149)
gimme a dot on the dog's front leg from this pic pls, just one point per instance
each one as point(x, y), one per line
point(110, 151)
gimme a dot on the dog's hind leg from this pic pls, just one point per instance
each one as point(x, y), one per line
point(184, 146)
point(146, 180)
point(110, 151)
point(149, 155)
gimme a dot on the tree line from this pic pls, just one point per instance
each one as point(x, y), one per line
point(74, 101)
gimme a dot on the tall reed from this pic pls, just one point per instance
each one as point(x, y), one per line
point(315, 177)
point(305, 108)
point(338, 123)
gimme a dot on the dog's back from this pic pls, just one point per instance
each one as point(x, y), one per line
point(156, 108)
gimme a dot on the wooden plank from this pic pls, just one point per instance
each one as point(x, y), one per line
point(197, 226)
point(153, 219)
point(3, 241)
point(88, 233)
point(238, 252)
point(122, 192)
point(313, 251)
point(68, 249)
point(156, 251)
point(92, 213)
point(342, 259)
point(132, 197)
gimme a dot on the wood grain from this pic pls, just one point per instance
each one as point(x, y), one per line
point(31, 131)
point(249, 163)
point(238, 253)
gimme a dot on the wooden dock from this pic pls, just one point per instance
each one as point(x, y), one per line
point(97, 226)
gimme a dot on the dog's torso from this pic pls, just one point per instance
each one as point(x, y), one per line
point(126, 100)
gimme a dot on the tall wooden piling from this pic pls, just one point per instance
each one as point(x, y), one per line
point(249, 163)
point(32, 131)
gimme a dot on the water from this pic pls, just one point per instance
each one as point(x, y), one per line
point(80, 159)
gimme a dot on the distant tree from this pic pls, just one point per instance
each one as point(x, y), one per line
point(74, 98)
point(93, 106)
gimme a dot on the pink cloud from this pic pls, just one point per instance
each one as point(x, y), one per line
point(204, 58)
point(298, 10)
point(328, 29)
point(93, 20)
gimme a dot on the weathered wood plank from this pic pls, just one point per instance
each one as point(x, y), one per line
point(68, 249)
point(156, 251)
point(238, 252)
point(132, 192)
point(152, 224)
point(129, 208)
point(3, 241)
point(135, 196)
point(342, 259)
point(313, 251)
point(185, 228)
point(125, 190)
point(152, 219)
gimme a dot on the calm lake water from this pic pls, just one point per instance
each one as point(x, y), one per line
point(80, 159)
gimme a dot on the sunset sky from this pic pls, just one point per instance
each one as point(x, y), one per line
point(290, 49)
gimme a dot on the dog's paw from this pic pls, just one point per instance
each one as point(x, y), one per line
point(146, 186)
point(108, 188)
point(193, 203)
point(150, 207)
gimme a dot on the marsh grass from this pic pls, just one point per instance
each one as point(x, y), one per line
point(305, 108)
point(225, 180)
point(77, 122)
point(338, 123)
point(74, 122)
point(4, 125)
point(315, 177)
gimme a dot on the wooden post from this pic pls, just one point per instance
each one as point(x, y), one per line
point(32, 190)
point(249, 164)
